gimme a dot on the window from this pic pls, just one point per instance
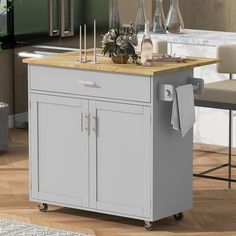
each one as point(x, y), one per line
point(3, 16)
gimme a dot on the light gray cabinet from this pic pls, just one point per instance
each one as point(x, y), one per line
point(103, 142)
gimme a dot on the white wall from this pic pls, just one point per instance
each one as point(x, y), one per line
point(128, 10)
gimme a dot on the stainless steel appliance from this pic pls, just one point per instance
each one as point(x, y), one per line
point(50, 26)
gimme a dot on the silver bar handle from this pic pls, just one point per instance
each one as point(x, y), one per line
point(166, 91)
point(67, 31)
point(82, 122)
point(52, 30)
point(87, 126)
point(88, 84)
point(55, 32)
point(95, 124)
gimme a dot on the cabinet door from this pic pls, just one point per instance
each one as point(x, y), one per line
point(120, 158)
point(58, 150)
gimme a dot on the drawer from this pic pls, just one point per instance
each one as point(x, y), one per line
point(90, 83)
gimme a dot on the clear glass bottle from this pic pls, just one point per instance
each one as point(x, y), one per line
point(114, 17)
point(174, 21)
point(159, 21)
point(140, 17)
point(146, 45)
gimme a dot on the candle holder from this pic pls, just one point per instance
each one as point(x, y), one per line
point(83, 60)
point(80, 43)
point(95, 42)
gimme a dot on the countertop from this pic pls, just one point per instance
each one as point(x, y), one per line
point(198, 37)
point(70, 60)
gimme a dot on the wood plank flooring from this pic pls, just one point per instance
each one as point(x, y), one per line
point(213, 213)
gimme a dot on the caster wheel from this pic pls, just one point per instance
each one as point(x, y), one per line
point(179, 216)
point(149, 225)
point(43, 207)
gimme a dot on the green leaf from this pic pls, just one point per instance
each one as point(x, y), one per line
point(2, 33)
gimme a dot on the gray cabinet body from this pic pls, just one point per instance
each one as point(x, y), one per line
point(103, 142)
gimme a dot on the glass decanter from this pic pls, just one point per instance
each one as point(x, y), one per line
point(141, 17)
point(159, 21)
point(114, 17)
point(174, 22)
point(146, 45)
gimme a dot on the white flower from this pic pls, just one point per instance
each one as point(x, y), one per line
point(133, 39)
point(107, 39)
point(121, 41)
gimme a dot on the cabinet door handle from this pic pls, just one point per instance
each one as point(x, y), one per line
point(53, 18)
point(95, 124)
point(55, 32)
point(82, 122)
point(67, 18)
point(87, 126)
point(88, 84)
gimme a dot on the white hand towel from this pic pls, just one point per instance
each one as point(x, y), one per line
point(175, 113)
point(183, 112)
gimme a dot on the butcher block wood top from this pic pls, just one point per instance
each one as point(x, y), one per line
point(70, 60)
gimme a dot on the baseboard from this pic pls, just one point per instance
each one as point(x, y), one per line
point(213, 148)
point(18, 120)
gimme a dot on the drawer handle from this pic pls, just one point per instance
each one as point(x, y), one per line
point(88, 84)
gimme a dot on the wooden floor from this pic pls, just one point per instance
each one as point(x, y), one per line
point(214, 211)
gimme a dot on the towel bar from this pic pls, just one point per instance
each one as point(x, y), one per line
point(166, 91)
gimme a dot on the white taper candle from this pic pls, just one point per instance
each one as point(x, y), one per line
point(95, 38)
point(85, 43)
point(80, 42)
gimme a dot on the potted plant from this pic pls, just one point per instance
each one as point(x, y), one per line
point(119, 43)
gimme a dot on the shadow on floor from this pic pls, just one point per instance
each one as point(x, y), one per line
point(213, 211)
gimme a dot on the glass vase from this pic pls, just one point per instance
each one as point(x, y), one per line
point(174, 22)
point(141, 17)
point(114, 17)
point(159, 21)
